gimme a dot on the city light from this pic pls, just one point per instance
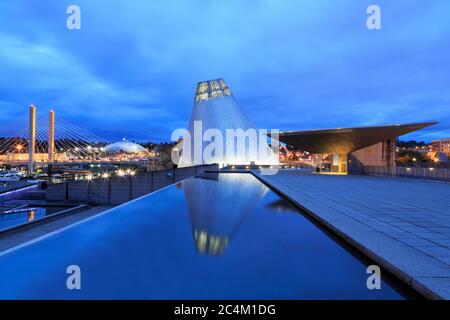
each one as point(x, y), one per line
point(127, 172)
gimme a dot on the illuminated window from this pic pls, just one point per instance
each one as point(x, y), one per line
point(215, 85)
point(202, 97)
point(203, 87)
point(217, 94)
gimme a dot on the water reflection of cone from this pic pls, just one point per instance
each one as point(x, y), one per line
point(218, 204)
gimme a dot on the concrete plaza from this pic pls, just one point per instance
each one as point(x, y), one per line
point(403, 224)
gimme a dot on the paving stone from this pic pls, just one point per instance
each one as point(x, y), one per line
point(445, 260)
point(418, 242)
point(435, 251)
point(443, 243)
point(441, 286)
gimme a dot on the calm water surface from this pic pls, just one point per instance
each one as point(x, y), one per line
point(20, 216)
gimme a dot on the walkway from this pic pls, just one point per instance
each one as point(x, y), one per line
point(403, 224)
point(17, 238)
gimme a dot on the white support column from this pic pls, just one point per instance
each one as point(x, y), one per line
point(31, 138)
point(51, 136)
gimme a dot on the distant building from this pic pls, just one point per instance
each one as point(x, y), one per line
point(442, 145)
point(439, 156)
point(18, 158)
point(160, 157)
point(124, 146)
point(353, 148)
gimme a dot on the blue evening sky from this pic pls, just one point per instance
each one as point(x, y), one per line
point(132, 69)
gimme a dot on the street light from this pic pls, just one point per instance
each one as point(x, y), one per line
point(415, 162)
point(19, 148)
point(436, 161)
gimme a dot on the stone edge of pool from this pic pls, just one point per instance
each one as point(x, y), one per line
point(376, 246)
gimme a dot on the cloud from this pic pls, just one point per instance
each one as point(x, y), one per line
point(132, 68)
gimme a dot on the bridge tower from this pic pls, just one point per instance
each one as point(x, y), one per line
point(31, 138)
point(51, 136)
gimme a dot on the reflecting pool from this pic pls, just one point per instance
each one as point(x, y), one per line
point(216, 236)
point(14, 217)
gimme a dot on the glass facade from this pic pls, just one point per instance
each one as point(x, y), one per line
point(216, 108)
point(212, 89)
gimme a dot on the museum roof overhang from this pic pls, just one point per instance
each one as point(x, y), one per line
point(346, 140)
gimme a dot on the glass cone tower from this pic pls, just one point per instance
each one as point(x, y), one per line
point(221, 133)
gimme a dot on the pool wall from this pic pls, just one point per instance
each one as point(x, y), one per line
point(46, 219)
point(118, 190)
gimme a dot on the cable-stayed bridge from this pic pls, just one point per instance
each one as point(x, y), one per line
point(46, 139)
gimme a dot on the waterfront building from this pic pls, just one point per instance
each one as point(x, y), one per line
point(124, 146)
point(442, 145)
point(353, 148)
point(350, 149)
point(216, 108)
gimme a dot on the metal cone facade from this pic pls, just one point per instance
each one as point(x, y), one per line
point(216, 108)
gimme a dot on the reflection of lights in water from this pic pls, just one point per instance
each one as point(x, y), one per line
point(218, 205)
point(282, 206)
point(209, 244)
